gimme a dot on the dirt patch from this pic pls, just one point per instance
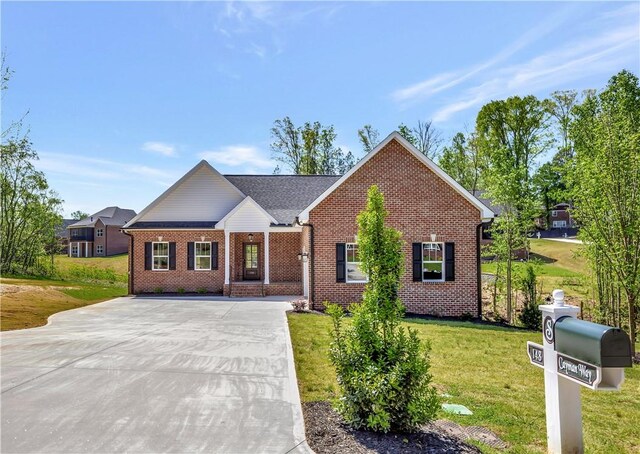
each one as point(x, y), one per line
point(327, 433)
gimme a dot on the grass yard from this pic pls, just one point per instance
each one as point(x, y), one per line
point(558, 265)
point(487, 369)
point(28, 302)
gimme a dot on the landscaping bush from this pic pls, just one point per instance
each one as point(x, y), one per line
point(530, 316)
point(382, 367)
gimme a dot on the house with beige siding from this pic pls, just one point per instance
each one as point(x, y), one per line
point(258, 235)
point(99, 235)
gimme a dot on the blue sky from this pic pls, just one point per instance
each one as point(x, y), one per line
point(124, 98)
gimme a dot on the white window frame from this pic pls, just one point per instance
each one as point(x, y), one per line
point(153, 256)
point(75, 250)
point(99, 232)
point(554, 213)
point(346, 266)
point(442, 279)
point(196, 255)
point(559, 224)
point(99, 249)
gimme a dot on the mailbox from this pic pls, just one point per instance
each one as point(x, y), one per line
point(600, 345)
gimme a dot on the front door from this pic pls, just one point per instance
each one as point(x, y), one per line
point(250, 267)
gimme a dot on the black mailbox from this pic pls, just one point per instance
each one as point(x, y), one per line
point(596, 344)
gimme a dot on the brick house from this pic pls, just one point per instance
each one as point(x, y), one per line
point(560, 217)
point(99, 235)
point(247, 235)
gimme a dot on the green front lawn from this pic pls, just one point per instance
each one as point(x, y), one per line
point(487, 369)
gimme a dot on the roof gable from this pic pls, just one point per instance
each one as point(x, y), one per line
point(485, 212)
point(246, 216)
point(202, 194)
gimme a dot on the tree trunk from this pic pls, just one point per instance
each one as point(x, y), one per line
point(509, 289)
point(632, 322)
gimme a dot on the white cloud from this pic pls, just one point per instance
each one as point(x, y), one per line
point(100, 170)
point(443, 81)
point(604, 53)
point(238, 155)
point(162, 148)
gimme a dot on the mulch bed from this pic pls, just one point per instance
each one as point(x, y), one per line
point(327, 433)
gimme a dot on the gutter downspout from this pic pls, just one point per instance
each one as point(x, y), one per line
point(478, 268)
point(312, 288)
point(130, 260)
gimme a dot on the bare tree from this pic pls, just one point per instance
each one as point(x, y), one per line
point(428, 139)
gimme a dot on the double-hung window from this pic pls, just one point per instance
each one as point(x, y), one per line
point(99, 249)
point(202, 255)
point(99, 232)
point(354, 270)
point(433, 261)
point(160, 256)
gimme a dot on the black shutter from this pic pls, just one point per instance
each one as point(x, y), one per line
point(417, 262)
point(449, 262)
point(341, 266)
point(190, 255)
point(214, 255)
point(172, 256)
point(147, 255)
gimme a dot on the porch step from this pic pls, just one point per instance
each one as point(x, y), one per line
point(245, 290)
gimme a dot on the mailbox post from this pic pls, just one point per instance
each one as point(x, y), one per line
point(561, 396)
point(575, 353)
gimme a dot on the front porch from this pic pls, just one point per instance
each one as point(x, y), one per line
point(264, 263)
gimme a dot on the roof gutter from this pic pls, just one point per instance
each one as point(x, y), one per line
point(312, 288)
point(130, 289)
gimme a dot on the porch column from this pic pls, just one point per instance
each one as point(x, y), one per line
point(305, 273)
point(226, 257)
point(266, 256)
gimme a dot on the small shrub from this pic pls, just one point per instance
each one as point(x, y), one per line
point(158, 290)
point(299, 305)
point(467, 317)
point(530, 316)
point(202, 290)
point(181, 290)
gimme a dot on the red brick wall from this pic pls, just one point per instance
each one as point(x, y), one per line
point(116, 242)
point(419, 203)
point(284, 265)
point(170, 281)
point(100, 240)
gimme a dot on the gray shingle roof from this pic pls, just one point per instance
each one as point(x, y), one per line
point(173, 225)
point(483, 197)
point(283, 196)
point(108, 216)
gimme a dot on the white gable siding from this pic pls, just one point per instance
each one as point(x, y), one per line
point(204, 196)
point(248, 218)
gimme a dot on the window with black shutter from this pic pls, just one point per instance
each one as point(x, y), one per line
point(190, 255)
point(449, 262)
point(417, 262)
point(341, 275)
point(172, 256)
point(147, 255)
point(214, 255)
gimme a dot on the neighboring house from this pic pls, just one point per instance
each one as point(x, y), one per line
point(560, 217)
point(245, 235)
point(99, 235)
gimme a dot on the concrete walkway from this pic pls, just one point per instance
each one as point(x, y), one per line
point(152, 375)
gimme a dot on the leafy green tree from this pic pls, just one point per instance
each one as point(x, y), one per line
point(511, 134)
point(462, 161)
point(382, 367)
point(30, 210)
point(309, 149)
point(605, 181)
point(77, 215)
point(369, 138)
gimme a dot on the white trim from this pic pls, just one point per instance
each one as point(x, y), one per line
point(175, 185)
point(266, 256)
point(277, 228)
point(485, 212)
point(153, 256)
point(443, 261)
point(247, 200)
point(195, 256)
point(226, 257)
point(101, 230)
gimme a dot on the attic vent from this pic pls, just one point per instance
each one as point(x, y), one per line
point(91, 218)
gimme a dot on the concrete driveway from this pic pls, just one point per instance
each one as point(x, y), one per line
point(153, 375)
